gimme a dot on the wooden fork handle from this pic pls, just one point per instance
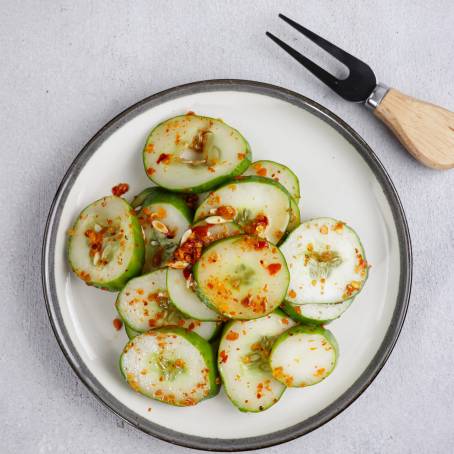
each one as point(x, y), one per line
point(425, 130)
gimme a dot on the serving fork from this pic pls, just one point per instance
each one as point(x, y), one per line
point(424, 129)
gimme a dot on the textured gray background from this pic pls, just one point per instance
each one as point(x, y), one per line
point(67, 67)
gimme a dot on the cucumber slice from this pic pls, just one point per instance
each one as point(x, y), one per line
point(171, 365)
point(326, 262)
point(243, 361)
point(191, 153)
point(277, 172)
point(303, 356)
point(164, 218)
point(295, 216)
point(259, 205)
point(242, 277)
point(130, 332)
point(144, 304)
point(139, 199)
point(180, 282)
point(206, 330)
point(185, 299)
point(318, 314)
point(105, 245)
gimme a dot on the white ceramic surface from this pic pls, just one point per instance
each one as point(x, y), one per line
point(335, 181)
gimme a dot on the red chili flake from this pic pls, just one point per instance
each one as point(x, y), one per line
point(150, 171)
point(190, 113)
point(226, 211)
point(246, 301)
point(232, 335)
point(201, 231)
point(260, 244)
point(163, 157)
point(241, 156)
point(261, 172)
point(191, 326)
point(223, 355)
point(274, 268)
point(117, 323)
point(187, 273)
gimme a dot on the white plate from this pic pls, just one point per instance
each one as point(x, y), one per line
point(340, 177)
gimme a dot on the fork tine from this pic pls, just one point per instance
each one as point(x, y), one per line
point(316, 70)
point(335, 51)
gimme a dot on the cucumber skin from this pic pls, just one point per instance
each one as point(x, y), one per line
point(135, 263)
point(287, 307)
point(294, 207)
point(140, 198)
point(205, 300)
point(131, 333)
point(297, 194)
point(160, 195)
point(205, 349)
point(227, 328)
point(239, 169)
point(241, 180)
point(310, 329)
point(363, 253)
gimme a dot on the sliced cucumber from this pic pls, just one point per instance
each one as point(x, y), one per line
point(144, 304)
point(277, 172)
point(171, 365)
point(303, 356)
point(183, 296)
point(242, 277)
point(318, 314)
point(105, 246)
point(215, 228)
point(180, 282)
point(191, 153)
point(259, 205)
point(326, 262)
point(243, 361)
point(164, 218)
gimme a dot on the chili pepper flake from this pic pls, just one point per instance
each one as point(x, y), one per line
point(292, 293)
point(150, 171)
point(324, 230)
point(274, 268)
point(163, 157)
point(232, 336)
point(117, 323)
point(224, 357)
point(226, 211)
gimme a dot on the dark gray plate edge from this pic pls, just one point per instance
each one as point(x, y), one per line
point(215, 444)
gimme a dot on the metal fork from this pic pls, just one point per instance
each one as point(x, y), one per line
point(425, 130)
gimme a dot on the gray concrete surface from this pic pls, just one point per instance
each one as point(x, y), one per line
point(68, 67)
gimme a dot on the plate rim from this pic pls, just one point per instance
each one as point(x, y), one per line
point(291, 432)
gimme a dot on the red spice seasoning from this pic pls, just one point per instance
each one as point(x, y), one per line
point(274, 268)
point(232, 335)
point(224, 357)
point(163, 157)
point(117, 323)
